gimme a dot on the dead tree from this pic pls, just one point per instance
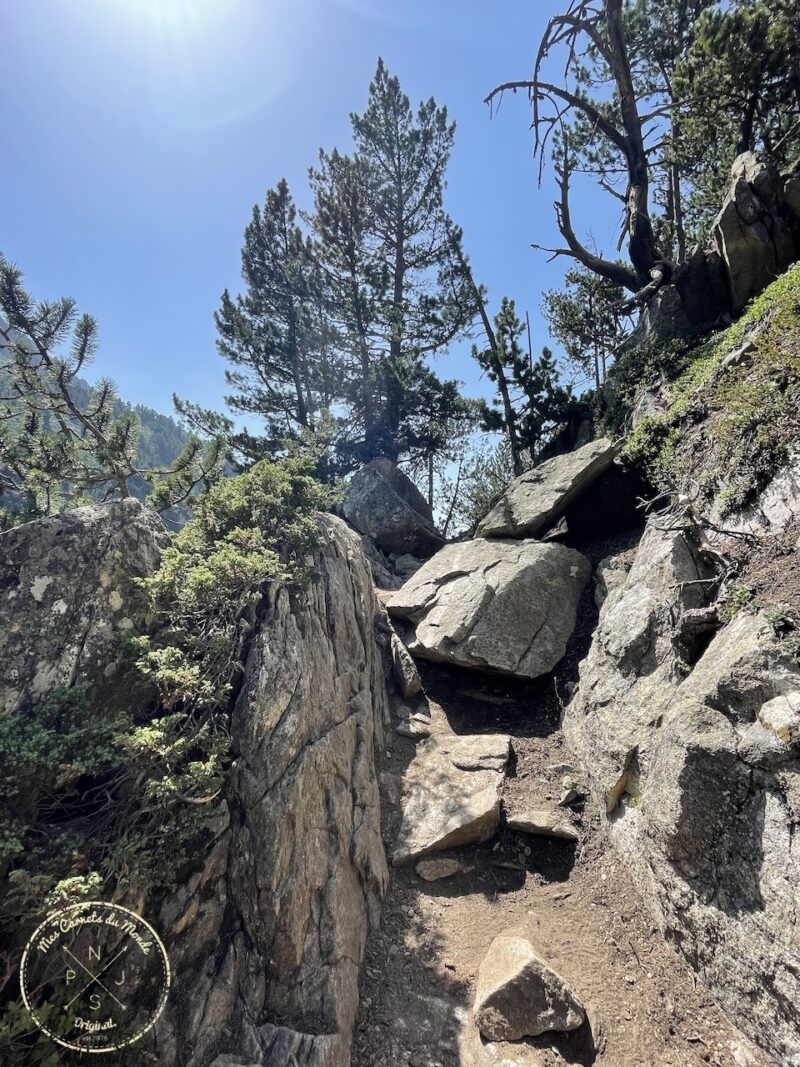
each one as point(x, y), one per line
point(597, 26)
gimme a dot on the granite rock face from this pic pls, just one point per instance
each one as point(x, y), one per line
point(756, 232)
point(507, 606)
point(537, 498)
point(266, 934)
point(68, 596)
point(384, 504)
point(754, 238)
point(275, 924)
point(689, 747)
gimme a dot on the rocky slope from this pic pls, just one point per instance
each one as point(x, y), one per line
point(683, 728)
point(589, 789)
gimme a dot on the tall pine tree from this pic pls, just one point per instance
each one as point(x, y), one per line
point(353, 284)
point(274, 334)
point(417, 313)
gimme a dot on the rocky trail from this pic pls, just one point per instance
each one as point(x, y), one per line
point(573, 899)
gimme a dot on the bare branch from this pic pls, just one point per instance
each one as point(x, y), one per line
point(606, 268)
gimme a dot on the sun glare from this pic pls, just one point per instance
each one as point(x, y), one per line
point(209, 62)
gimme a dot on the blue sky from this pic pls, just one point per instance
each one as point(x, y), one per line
point(139, 133)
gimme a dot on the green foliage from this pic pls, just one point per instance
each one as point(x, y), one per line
point(738, 599)
point(530, 402)
point(652, 447)
point(96, 801)
point(741, 80)
point(59, 446)
point(483, 474)
point(247, 530)
point(779, 619)
point(730, 429)
point(585, 318)
point(53, 744)
point(273, 334)
point(342, 308)
point(21, 1041)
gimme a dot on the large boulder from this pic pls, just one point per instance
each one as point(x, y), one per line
point(69, 597)
point(689, 747)
point(756, 232)
point(535, 499)
point(267, 937)
point(507, 606)
point(518, 995)
point(267, 928)
point(754, 238)
point(453, 798)
point(384, 504)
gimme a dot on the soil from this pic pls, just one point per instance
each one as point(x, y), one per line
point(770, 567)
point(577, 903)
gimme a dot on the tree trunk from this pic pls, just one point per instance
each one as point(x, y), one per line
point(645, 255)
point(297, 378)
point(502, 384)
point(746, 126)
point(367, 398)
point(677, 196)
point(394, 392)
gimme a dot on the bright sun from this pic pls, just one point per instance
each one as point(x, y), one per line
point(207, 62)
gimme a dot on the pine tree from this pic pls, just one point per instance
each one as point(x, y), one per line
point(56, 449)
point(417, 313)
point(353, 285)
point(586, 319)
point(335, 326)
point(275, 333)
point(660, 35)
point(538, 402)
point(435, 421)
point(741, 84)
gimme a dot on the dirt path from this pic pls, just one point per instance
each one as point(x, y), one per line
point(576, 902)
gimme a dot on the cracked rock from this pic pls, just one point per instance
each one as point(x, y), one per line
point(447, 804)
point(535, 499)
point(69, 580)
point(506, 606)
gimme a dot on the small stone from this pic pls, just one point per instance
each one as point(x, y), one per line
point(544, 822)
point(436, 870)
point(405, 670)
point(416, 727)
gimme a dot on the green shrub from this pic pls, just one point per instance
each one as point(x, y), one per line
point(739, 599)
point(728, 430)
point(95, 802)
